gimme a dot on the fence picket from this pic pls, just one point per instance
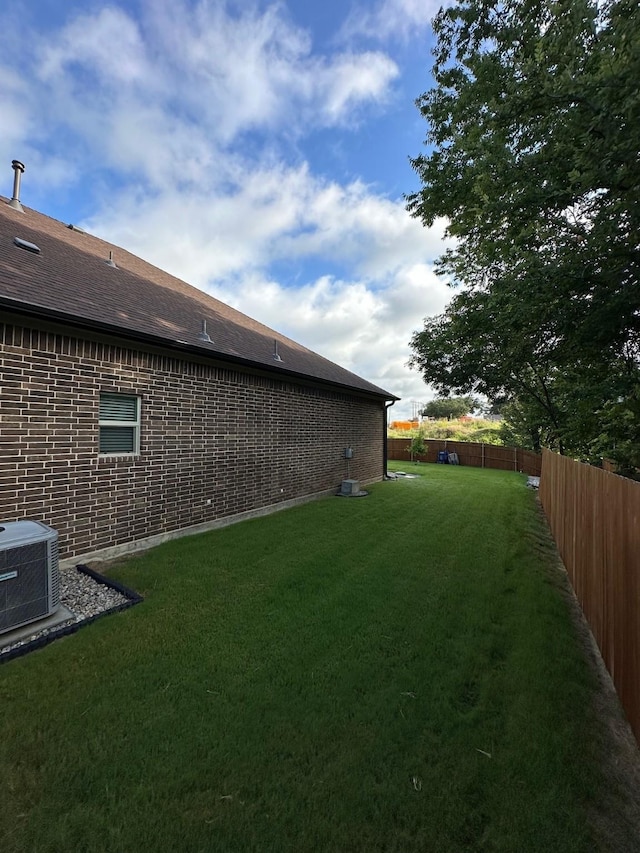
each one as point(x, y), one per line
point(594, 517)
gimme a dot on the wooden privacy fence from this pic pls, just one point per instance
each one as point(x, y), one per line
point(595, 519)
point(475, 454)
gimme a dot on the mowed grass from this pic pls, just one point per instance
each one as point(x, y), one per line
point(390, 673)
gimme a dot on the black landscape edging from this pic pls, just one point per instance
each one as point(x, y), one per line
point(39, 642)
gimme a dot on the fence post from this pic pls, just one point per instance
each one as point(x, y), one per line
point(482, 466)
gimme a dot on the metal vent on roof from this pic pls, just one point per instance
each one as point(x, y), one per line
point(111, 262)
point(276, 354)
point(203, 335)
point(18, 169)
point(73, 227)
point(24, 244)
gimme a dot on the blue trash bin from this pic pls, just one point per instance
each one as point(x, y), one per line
point(443, 457)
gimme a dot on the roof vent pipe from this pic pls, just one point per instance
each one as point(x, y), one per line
point(204, 335)
point(18, 169)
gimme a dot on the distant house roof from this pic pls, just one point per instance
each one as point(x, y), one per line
point(71, 280)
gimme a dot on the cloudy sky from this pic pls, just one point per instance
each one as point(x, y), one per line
point(258, 150)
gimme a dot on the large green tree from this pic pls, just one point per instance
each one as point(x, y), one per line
point(533, 157)
point(449, 407)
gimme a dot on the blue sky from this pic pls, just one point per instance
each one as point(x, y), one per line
point(257, 150)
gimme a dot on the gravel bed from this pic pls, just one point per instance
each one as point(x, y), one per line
point(85, 597)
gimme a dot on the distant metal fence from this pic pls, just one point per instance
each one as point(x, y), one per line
point(474, 454)
point(595, 520)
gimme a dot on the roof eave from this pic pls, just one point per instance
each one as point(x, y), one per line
point(43, 313)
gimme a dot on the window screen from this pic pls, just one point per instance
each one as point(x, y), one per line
point(119, 424)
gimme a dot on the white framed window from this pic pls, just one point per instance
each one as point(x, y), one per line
point(119, 424)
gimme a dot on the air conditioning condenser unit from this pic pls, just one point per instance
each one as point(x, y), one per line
point(29, 573)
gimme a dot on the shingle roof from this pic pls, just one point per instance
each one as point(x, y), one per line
point(70, 280)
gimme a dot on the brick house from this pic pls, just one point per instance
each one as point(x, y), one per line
point(134, 407)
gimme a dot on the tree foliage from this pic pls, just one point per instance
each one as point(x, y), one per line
point(534, 158)
point(449, 407)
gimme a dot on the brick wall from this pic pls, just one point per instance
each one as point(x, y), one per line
point(215, 441)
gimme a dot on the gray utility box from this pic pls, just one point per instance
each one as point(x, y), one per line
point(29, 573)
point(350, 487)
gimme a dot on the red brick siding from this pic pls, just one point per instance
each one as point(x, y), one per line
point(213, 433)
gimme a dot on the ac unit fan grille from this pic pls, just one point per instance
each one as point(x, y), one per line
point(24, 598)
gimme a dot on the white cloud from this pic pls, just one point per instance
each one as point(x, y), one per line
point(373, 233)
point(389, 18)
point(235, 71)
point(230, 73)
point(271, 213)
point(108, 42)
point(210, 232)
point(257, 70)
point(14, 107)
point(352, 80)
point(162, 98)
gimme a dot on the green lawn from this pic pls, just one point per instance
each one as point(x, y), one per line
point(390, 673)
